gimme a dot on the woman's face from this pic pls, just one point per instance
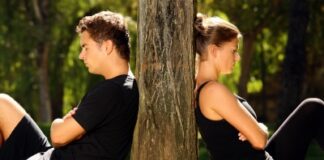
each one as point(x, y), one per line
point(227, 56)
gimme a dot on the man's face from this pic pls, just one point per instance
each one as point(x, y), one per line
point(92, 53)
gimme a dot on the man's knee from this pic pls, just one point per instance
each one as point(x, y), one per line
point(4, 95)
point(5, 99)
point(7, 102)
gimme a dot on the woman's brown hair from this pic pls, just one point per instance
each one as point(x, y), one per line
point(213, 30)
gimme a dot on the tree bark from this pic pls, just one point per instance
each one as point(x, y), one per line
point(165, 69)
point(295, 59)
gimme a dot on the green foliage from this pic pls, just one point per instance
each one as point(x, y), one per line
point(269, 46)
point(202, 151)
point(77, 80)
point(20, 36)
point(249, 16)
point(314, 152)
point(19, 39)
point(254, 85)
point(132, 27)
point(46, 128)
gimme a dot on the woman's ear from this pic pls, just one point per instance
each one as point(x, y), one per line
point(213, 50)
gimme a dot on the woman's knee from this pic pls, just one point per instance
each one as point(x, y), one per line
point(313, 101)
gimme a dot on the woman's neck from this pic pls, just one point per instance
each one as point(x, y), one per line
point(206, 72)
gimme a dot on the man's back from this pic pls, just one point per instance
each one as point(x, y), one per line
point(108, 113)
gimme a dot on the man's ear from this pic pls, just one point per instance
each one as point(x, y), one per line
point(109, 46)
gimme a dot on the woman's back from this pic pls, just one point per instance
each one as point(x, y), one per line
point(222, 138)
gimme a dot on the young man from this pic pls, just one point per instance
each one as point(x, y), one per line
point(102, 125)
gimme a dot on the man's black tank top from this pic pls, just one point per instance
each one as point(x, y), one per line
point(221, 138)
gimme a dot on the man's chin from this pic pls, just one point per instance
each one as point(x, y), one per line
point(92, 72)
point(228, 72)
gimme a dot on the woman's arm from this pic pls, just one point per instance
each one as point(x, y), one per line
point(264, 127)
point(219, 99)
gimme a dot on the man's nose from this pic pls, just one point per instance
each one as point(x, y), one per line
point(81, 55)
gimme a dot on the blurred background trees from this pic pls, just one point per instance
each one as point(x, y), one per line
point(260, 75)
point(39, 49)
point(39, 63)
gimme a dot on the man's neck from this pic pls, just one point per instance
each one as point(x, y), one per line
point(122, 69)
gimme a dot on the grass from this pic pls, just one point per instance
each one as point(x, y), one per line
point(314, 152)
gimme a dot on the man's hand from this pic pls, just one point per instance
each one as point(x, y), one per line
point(70, 113)
point(66, 130)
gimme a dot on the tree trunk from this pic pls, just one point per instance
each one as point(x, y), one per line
point(165, 69)
point(263, 68)
point(249, 40)
point(57, 98)
point(45, 104)
point(295, 59)
point(41, 14)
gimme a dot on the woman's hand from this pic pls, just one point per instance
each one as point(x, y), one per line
point(241, 137)
point(262, 126)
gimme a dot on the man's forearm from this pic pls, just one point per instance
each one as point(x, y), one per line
point(65, 130)
point(56, 134)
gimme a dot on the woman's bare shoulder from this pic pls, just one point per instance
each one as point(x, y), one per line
point(215, 94)
point(214, 88)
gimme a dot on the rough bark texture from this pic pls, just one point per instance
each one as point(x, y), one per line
point(295, 59)
point(165, 70)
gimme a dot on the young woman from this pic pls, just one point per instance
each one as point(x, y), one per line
point(227, 122)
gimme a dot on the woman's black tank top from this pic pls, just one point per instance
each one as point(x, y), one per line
point(221, 138)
